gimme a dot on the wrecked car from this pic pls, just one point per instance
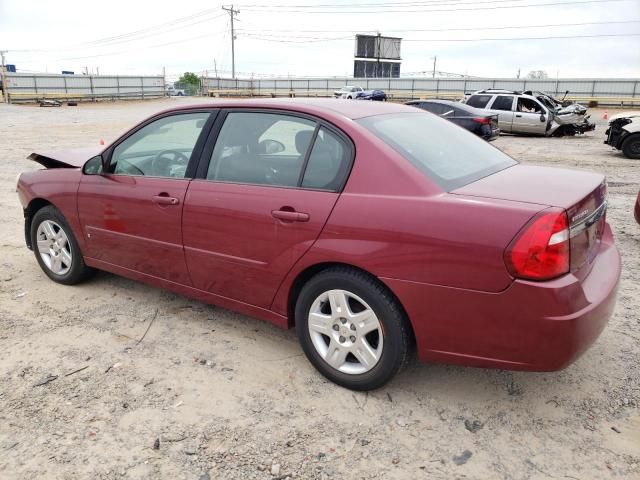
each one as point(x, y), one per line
point(624, 133)
point(532, 113)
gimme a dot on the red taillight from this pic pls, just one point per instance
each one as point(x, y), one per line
point(482, 120)
point(541, 250)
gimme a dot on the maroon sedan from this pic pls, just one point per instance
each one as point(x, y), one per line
point(370, 227)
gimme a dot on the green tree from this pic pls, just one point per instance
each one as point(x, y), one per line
point(189, 78)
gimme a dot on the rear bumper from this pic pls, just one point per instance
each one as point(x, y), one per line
point(535, 326)
point(487, 132)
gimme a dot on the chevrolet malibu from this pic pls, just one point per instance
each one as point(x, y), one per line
point(374, 229)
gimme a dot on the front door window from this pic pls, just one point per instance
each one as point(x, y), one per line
point(160, 149)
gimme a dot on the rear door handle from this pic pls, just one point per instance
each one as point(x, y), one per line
point(289, 216)
point(165, 200)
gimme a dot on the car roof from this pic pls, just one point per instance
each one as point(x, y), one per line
point(313, 106)
point(434, 100)
point(461, 106)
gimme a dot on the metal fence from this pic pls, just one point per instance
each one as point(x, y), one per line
point(600, 90)
point(23, 87)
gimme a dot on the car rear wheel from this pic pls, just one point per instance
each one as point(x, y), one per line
point(352, 329)
point(631, 146)
point(56, 248)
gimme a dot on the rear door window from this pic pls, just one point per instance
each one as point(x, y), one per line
point(503, 102)
point(479, 101)
point(261, 148)
point(328, 163)
point(450, 156)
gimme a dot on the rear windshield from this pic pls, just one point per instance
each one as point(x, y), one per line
point(451, 156)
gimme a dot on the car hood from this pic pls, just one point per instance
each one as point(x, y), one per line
point(74, 158)
point(624, 115)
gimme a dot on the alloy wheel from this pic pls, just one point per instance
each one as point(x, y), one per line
point(345, 332)
point(53, 247)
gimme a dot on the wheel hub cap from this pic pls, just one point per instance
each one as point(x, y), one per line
point(53, 247)
point(345, 331)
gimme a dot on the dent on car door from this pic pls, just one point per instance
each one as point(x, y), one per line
point(131, 214)
point(255, 210)
point(528, 117)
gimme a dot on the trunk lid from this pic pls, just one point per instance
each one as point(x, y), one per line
point(74, 158)
point(581, 194)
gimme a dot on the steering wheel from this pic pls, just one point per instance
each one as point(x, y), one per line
point(163, 161)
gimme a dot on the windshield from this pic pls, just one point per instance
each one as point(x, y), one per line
point(451, 156)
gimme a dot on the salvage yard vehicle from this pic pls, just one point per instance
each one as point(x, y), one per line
point(624, 133)
point(348, 92)
point(373, 228)
point(375, 95)
point(172, 91)
point(532, 113)
point(475, 120)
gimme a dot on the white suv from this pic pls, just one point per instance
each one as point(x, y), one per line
point(348, 91)
point(532, 113)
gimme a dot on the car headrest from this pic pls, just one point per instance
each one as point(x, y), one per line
point(303, 138)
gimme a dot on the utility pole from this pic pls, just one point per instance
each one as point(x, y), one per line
point(5, 94)
point(378, 56)
point(232, 14)
point(433, 75)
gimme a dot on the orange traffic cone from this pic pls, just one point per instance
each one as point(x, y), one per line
point(101, 141)
point(606, 115)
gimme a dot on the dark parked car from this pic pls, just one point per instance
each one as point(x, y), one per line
point(368, 226)
point(377, 95)
point(475, 120)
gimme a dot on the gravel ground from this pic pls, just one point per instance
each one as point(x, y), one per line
point(211, 394)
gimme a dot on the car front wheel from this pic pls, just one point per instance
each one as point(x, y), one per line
point(631, 146)
point(352, 329)
point(56, 248)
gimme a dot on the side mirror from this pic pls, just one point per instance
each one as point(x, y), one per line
point(543, 118)
point(270, 147)
point(94, 166)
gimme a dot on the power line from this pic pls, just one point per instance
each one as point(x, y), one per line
point(447, 29)
point(281, 40)
point(474, 8)
point(127, 37)
point(175, 42)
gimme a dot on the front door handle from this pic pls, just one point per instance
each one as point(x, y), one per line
point(165, 200)
point(519, 116)
point(290, 216)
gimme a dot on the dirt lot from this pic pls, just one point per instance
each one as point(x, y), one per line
point(225, 396)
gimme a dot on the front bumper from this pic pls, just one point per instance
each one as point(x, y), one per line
point(539, 326)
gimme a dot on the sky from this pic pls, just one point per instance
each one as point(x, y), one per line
point(488, 38)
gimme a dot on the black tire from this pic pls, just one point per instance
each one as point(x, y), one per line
point(397, 336)
point(631, 146)
point(78, 271)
